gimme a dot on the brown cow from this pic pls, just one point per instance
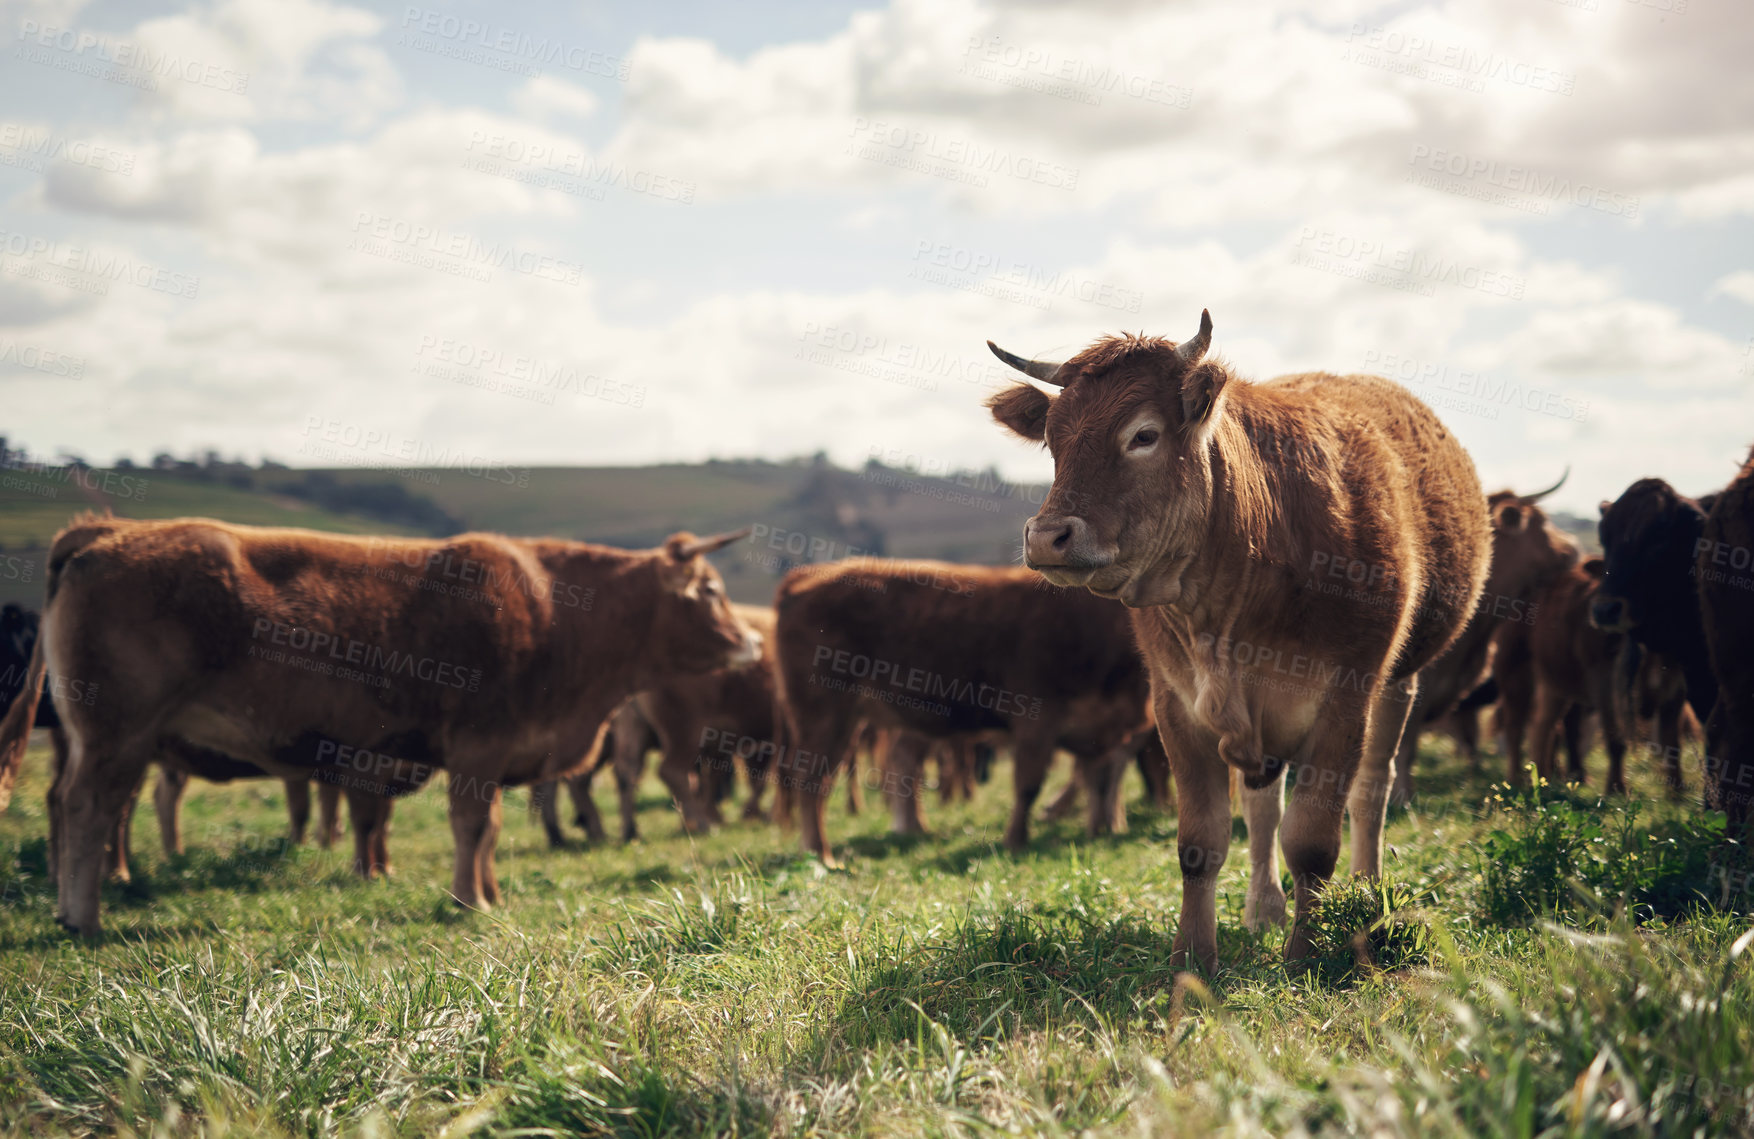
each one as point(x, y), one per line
point(1552, 672)
point(701, 725)
point(1724, 568)
point(493, 658)
point(939, 650)
point(1202, 501)
point(1528, 552)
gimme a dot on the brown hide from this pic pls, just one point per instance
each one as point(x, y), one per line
point(939, 650)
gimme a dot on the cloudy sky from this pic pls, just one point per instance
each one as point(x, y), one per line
point(622, 233)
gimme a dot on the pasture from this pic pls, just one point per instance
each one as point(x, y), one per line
point(726, 985)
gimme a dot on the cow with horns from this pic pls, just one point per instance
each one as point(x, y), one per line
point(1210, 504)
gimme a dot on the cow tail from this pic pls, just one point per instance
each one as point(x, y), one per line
point(15, 729)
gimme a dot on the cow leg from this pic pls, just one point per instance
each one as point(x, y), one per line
point(1102, 777)
point(369, 814)
point(298, 809)
point(1033, 754)
point(1550, 707)
point(679, 771)
point(484, 850)
point(380, 848)
point(328, 814)
point(167, 802)
point(1263, 808)
point(855, 793)
point(1571, 727)
point(101, 777)
point(57, 779)
point(630, 768)
point(1613, 729)
point(1310, 832)
point(1390, 720)
point(545, 801)
point(472, 823)
point(1066, 801)
point(1669, 740)
point(1154, 770)
point(902, 781)
point(1202, 840)
point(757, 771)
point(1467, 728)
point(120, 852)
point(824, 743)
point(1406, 749)
point(584, 807)
point(1513, 728)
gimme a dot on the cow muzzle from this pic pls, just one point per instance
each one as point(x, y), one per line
point(1609, 613)
point(1063, 543)
point(746, 653)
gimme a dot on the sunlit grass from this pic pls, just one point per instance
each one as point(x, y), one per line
point(723, 984)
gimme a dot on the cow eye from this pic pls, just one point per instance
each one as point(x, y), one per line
point(1143, 438)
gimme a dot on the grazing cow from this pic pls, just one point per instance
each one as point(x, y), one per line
point(18, 637)
point(1650, 543)
point(1724, 563)
point(935, 651)
point(490, 657)
point(1553, 672)
point(1527, 553)
point(701, 725)
point(1203, 502)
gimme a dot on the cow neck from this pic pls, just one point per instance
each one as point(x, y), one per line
point(620, 622)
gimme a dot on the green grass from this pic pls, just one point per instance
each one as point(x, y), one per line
point(725, 985)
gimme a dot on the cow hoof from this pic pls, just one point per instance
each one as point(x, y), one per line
point(1263, 909)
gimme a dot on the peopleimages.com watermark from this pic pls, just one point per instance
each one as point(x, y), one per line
point(1506, 184)
point(1446, 63)
point(32, 257)
point(452, 252)
point(953, 159)
point(1398, 267)
point(515, 375)
point(895, 682)
point(37, 358)
point(450, 571)
point(1003, 278)
point(848, 349)
point(570, 171)
point(500, 47)
point(30, 149)
point(1472, 392)
point(130, 64)
point(1064, 77)
point(392, 452)
point(39, 478)
point(348, 658)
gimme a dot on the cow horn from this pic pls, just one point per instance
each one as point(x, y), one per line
point(686, 550)
point(1043, 370)
point(1191, 352)
point(1531, 499)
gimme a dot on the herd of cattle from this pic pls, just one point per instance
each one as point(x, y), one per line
point(1229, 582)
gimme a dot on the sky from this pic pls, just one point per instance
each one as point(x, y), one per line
point(608, 234)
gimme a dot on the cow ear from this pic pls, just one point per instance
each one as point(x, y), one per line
point(1603, 505)
point(1023, 409)
point(1201, 390)
point(1510, 517)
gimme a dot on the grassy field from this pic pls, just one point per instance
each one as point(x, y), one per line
point(937, 987)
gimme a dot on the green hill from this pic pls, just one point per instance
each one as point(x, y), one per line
point(800, 511)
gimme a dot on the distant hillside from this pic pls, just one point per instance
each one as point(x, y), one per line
point(801, 511)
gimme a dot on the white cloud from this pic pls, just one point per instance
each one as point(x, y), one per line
point(544, 96)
